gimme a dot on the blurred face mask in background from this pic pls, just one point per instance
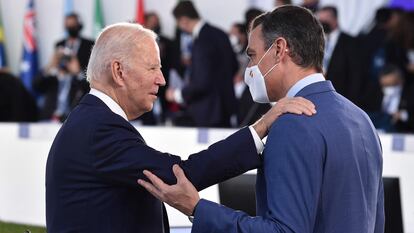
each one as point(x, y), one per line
point(256, 81)
point(73, 31)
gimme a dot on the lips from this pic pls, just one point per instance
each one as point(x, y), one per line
point(154, 93)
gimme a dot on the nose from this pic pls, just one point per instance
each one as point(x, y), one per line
point(160, 80)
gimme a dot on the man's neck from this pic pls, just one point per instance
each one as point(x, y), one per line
point(294, 75)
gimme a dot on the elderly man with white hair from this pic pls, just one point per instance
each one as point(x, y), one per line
point(97, 155)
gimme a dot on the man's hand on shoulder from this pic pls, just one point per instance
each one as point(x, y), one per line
point(296, 105)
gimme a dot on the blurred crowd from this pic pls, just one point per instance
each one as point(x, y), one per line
point(204, 69)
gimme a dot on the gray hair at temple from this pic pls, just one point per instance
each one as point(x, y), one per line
point(115, 42)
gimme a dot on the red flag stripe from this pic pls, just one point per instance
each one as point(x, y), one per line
point(140, 12)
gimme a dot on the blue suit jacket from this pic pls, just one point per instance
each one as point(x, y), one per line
point(96, 159)
point(210, 94)
point(320, 174)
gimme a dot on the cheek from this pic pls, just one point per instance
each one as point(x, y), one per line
point(272, 87)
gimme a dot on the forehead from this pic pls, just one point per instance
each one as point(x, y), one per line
point(256, 42)
point(148, 50)
point(71, 20)
point(324, 14)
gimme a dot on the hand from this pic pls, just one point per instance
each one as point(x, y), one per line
point(183, 196)
point(169, 95)
point(296, 105)
point(396, 117)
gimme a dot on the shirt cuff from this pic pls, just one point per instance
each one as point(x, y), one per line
point(178, 96)
point(257, 141)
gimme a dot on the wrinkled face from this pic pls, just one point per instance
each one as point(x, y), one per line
point(255, 51)
point(143, 78)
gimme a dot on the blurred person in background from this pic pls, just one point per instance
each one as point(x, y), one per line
point(386, 44)
point(248, 110)
point(342, 63)
point(208, 94)
point(374, 46)
point(16, 103)
point(98, 155)
point(397, 107)
point(62, 82)
point(407, 42)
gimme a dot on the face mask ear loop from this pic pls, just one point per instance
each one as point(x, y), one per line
point(265, 54)
point(264, 76)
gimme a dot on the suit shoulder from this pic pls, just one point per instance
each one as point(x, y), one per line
point(293, 125)
point(87, 41)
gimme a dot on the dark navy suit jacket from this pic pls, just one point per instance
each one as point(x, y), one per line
point(96, 159)
point(321, 174)
point(210, 94)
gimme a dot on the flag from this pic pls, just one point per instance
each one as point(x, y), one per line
point(28, 66)
point(2, 51)
point(139, 18)
point(98, 19)
point(68, 7)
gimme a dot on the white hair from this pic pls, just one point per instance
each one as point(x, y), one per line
point(115, 42)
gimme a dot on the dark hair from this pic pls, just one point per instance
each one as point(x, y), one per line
point(302, 31)
point(187, 9)
point(332, 9)
point(73, 15)
point(241, 27)
point(250, 14)
point(383, 15)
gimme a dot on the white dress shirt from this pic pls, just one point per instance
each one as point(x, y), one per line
point(114, 106)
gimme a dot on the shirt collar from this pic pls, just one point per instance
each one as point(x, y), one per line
point(115, 108)
point(306, 81)
point(197, 28)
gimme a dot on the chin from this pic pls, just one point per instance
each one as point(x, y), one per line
point(149, 107)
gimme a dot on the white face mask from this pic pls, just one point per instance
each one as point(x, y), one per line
point(255, 80)
point(234, 40)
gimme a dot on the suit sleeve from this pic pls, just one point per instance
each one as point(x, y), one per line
point(120, 156)
point(293, 171)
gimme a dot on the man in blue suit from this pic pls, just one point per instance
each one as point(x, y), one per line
point(320, 174)
point(97, 155)
point(213, 66)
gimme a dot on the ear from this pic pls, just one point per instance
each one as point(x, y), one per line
point(281, 49)
point(118, 73)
